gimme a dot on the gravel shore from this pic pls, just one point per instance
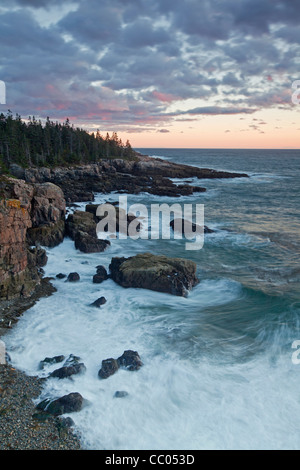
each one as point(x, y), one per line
point(21, 426)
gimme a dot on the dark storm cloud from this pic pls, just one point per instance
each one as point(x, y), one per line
point(217, 110)
point(126, 61)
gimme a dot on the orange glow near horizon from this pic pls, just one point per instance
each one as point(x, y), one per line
point(265, 129)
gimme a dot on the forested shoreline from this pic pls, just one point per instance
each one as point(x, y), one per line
point(31, 143)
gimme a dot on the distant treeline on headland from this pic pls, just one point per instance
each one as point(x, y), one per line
point(31, 143)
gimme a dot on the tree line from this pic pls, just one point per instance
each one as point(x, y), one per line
point(31, 143)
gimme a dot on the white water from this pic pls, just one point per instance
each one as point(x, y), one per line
point(177, 400)
point(218, 370)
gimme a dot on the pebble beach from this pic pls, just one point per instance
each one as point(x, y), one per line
point(21, 426)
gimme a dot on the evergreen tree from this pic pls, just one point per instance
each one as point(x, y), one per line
point(30, 143)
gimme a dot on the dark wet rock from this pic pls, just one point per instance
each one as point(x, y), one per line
point(90, 244)
point(80, 221)
point(101, 271)
point(121, 394)
point(142, 173)
point(99, 302)
point(175, 276)
point(48, 361)
point(49, 235)
point(182, 225)
point(66, 422)
point(91, 208)
point(72, 359)
point(130, 360)
point(108, 368)
point(70, 403)
point(157, 167)
point(97, 279)
point(37, 256)
point(117, 218)
point(73, 277)
point(101, 275)
point(60, 276)
point(68, 371)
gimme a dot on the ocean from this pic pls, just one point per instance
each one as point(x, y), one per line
point(220, 367)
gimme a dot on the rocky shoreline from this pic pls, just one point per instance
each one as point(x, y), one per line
point(33, 214)
point(21, 427)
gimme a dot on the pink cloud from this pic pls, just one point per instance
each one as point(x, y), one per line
point(164, 97)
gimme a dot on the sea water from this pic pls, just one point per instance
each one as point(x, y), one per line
point(218, 369)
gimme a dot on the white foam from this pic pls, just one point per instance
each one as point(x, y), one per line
point(177, 400)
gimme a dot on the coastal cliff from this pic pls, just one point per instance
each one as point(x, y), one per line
point(33, 207)
point(30, 215)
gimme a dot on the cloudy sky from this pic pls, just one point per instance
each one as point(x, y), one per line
point(163, 73)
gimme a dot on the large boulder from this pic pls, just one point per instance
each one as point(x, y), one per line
point(130, 360)
point(73, 277)
point(81, 227)
point(80, 221)
point(119, 216)
point(108, 368)
point(175, 276)
point(50, 235)
point(90, 244)
point(66, 404)
point(48, 204)
point(68, 371)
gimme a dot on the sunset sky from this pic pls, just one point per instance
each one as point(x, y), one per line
point(161, 73)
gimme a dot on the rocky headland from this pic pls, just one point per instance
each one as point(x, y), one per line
point(33, 216)
point(33, 204)
point(80, 182)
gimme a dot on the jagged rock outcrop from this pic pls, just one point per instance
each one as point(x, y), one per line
point(24, 209)
point(80, 221)
point(143, 174)
point(159, 273)
point(81, 227)
point(48, 209)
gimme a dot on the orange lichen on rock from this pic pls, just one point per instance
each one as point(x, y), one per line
point(14, 203)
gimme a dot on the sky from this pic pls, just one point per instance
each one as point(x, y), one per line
point(161, 73)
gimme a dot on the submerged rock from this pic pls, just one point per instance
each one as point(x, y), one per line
point(159, 273)
point(60, 276)
point(181, 225)
point(99, 302)
point(72, 366)
point(67, 371)
point(73, 277)
point(72, 359)
point(121, 394)
point(49, 361)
